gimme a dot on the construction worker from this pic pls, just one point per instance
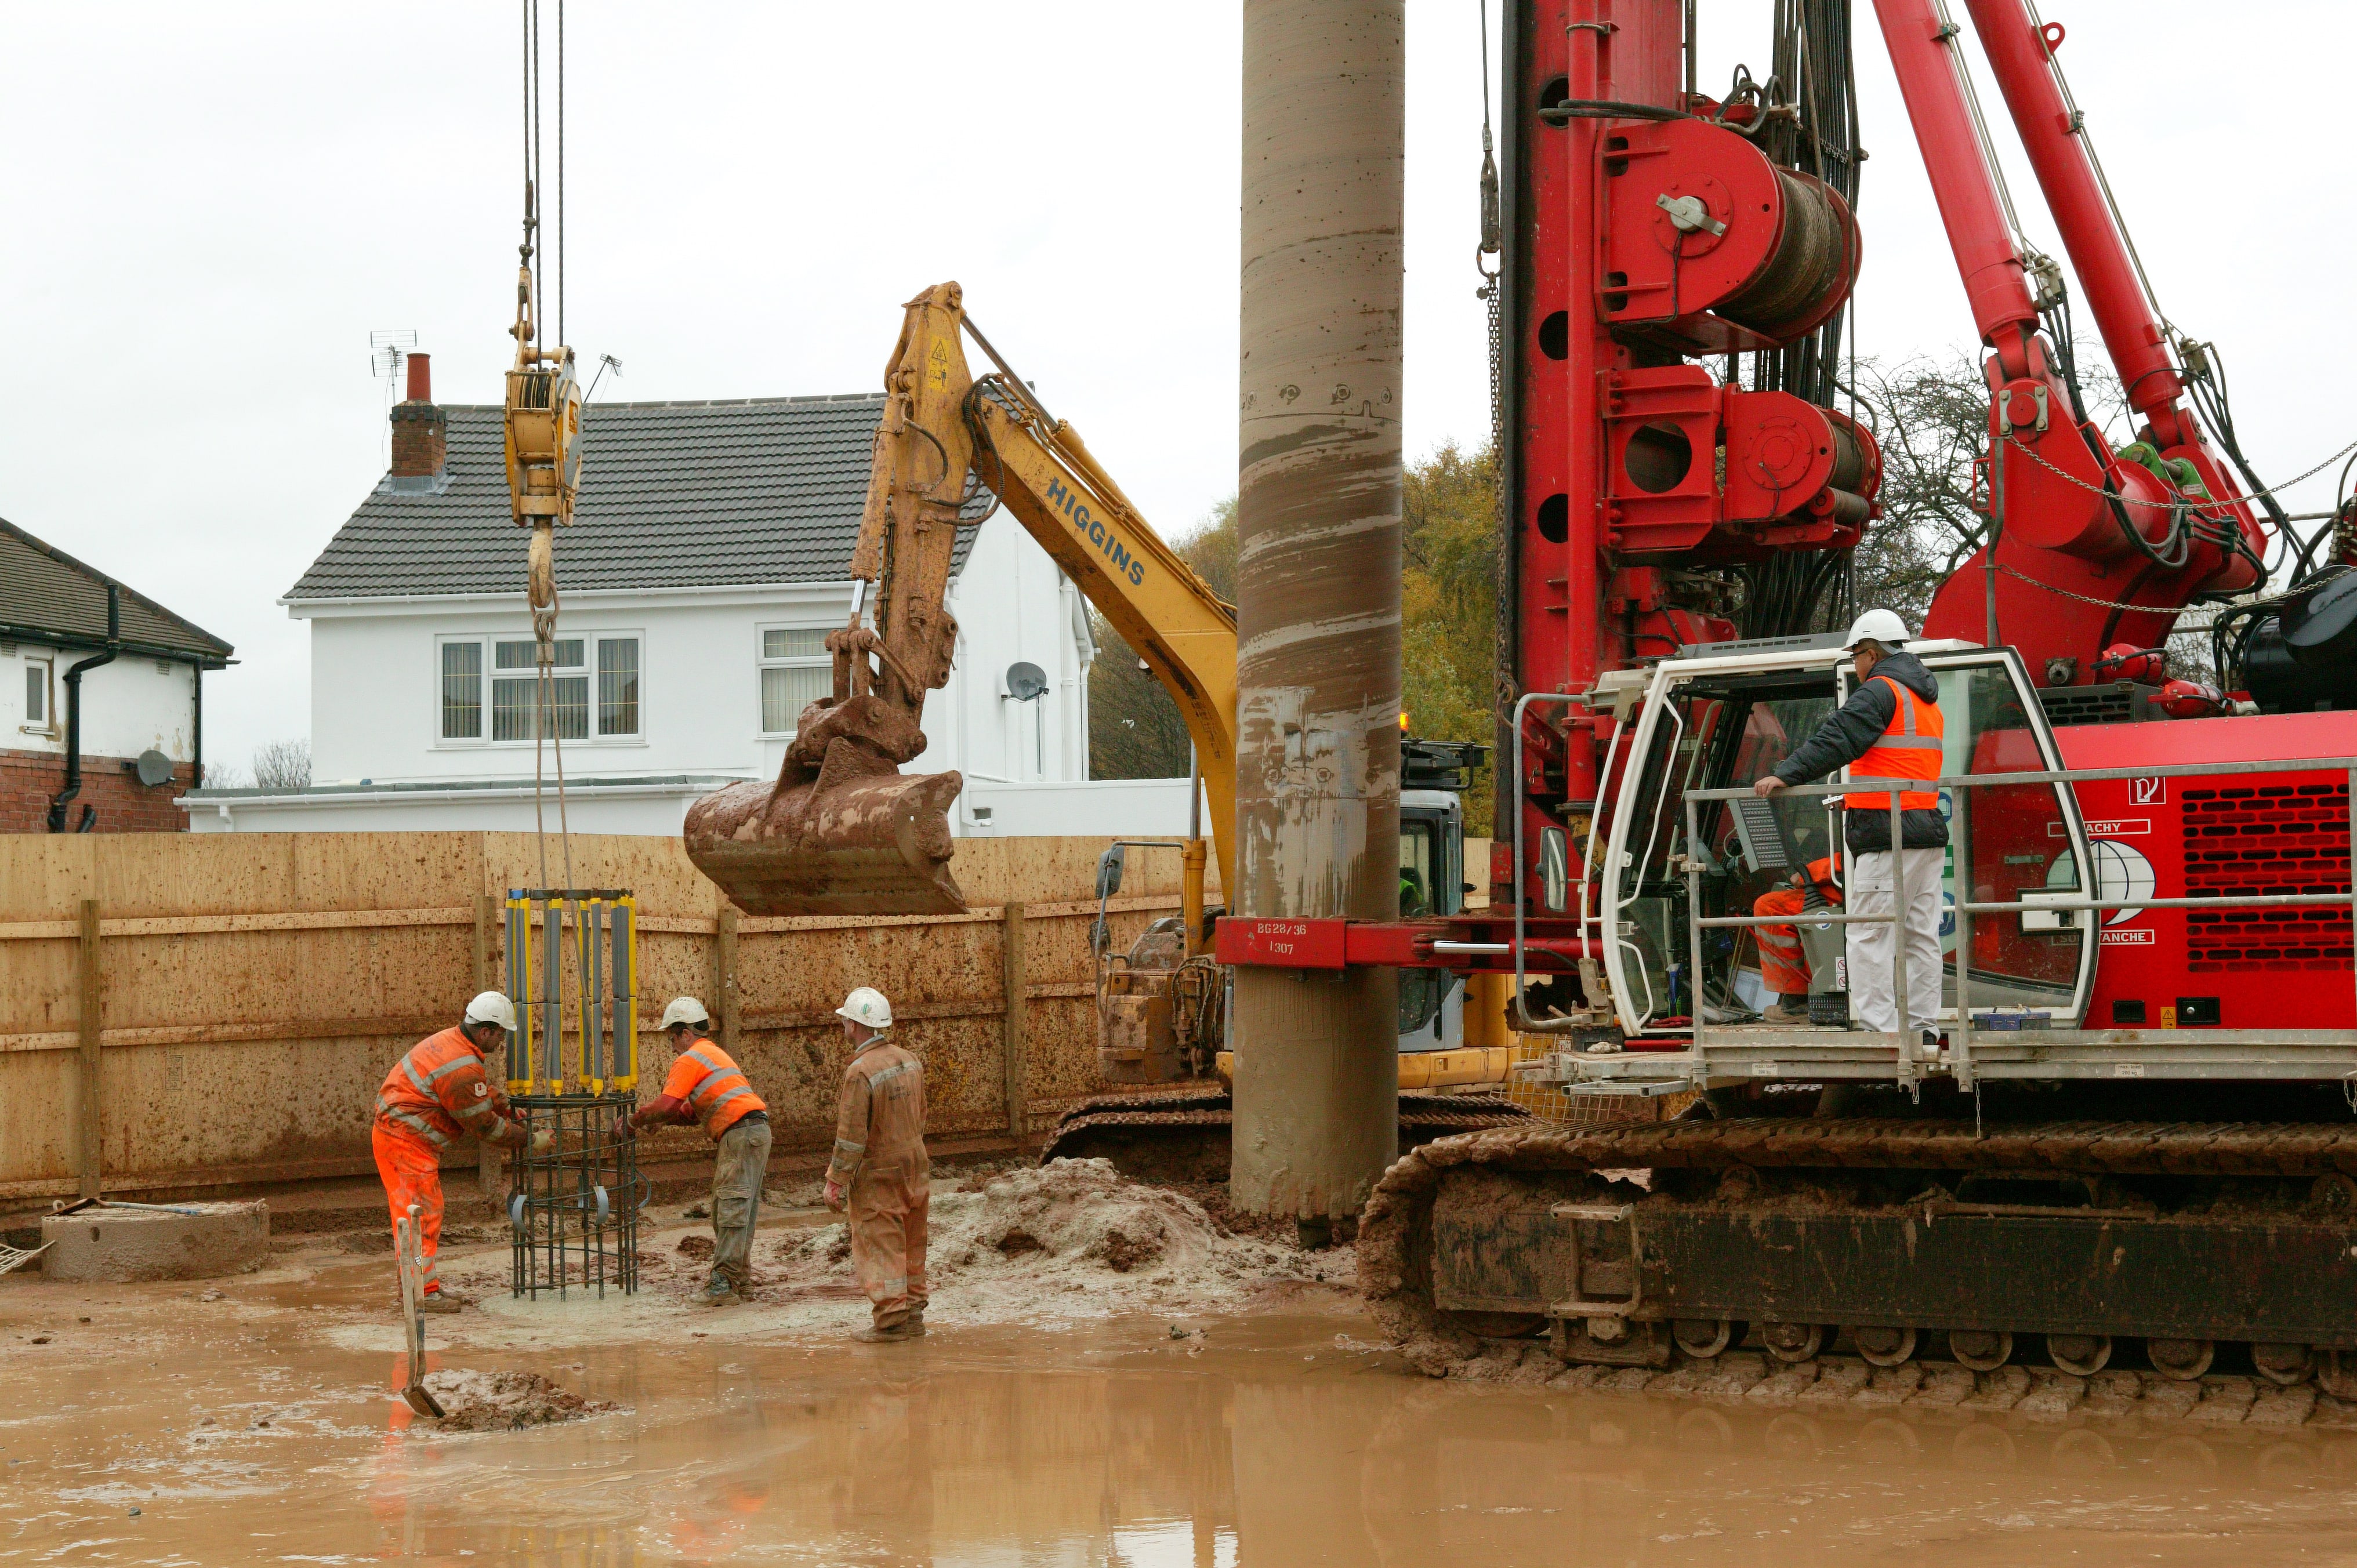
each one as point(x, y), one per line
point(436, 1093)
point(1889, 728)
point(880, 1171)
point(1783, 964)
point(705, 1086)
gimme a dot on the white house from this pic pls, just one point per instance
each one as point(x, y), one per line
point(102, 697)
point(706, 562)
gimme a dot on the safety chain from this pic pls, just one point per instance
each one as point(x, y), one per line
point(2149, 609)
point(2181, 500)
point(2087, 599)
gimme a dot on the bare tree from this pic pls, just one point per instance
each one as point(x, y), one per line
point(283, 765)
point(225, 776)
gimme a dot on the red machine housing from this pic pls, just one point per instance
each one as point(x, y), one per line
point(2228, 834)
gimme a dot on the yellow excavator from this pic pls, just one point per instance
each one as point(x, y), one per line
point(843, 832)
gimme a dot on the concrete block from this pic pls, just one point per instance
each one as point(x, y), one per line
point(119, 1246)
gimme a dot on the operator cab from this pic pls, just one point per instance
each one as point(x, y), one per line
point(1724, 716)
point(1434, 776)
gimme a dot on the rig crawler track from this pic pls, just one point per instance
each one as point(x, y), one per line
point(2053, 1242)
point(1185, 1134)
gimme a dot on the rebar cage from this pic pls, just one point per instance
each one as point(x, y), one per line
point(573, 1070)
point(573, 1207)
point(592, 1046)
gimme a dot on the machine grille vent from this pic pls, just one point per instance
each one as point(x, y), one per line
point(2115, 702)
point(2275, 838)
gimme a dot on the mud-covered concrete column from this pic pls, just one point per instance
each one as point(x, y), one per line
point(1317, 589)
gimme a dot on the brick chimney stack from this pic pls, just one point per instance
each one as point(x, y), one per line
point(421, 432)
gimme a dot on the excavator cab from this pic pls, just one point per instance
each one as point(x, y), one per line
point(1725, 716)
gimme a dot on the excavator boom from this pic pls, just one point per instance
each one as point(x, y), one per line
point(842, 831)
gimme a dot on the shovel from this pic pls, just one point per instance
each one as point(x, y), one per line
point(411, 1265)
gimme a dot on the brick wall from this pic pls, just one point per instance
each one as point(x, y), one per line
point(421, 440)
point(28, 780)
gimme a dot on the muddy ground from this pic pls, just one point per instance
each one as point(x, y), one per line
point(1186, 1397)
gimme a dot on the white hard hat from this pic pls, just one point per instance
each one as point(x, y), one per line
point(866, 1006)
point(490, 1007)
point(684, 1010)
point(1881, 625)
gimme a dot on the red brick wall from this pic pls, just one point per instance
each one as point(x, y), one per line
point(28, 780)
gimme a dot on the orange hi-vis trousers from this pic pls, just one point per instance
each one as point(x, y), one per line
point(411, 1169)
point(1783, 967)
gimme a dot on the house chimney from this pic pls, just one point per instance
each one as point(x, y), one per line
point(421, 432)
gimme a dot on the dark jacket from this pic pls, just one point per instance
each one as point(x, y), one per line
point(1849, 734)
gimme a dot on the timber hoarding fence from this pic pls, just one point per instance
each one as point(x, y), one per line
point(199, 1010)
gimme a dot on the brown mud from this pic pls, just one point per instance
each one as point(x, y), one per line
point(258, 1421)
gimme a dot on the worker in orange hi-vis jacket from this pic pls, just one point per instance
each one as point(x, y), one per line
point(880, 1172)
point(434, 1095)
point(705, 1086)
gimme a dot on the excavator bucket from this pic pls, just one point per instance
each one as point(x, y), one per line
point(877, 844)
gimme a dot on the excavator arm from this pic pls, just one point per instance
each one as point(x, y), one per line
point(842, 831)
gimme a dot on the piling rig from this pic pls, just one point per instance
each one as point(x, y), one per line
point(2135, 1128)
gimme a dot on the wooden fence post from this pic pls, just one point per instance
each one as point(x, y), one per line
point(1011, 945)
point(726, 962)
point(90, 1021)
point(487, 1159)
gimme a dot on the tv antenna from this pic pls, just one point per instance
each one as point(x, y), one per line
point(605, 362)
point(388, 347)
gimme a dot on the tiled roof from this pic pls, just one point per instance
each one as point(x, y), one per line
point(48, 596)
point(754, 490)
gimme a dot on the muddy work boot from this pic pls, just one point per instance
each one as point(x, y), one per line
point(1788, 1010)
point(910, 1328)
point(443, 1301)
point(717, 1291)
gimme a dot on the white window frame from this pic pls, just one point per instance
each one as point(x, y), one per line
point(489, 674)
point(761, 662)
point(48, 724)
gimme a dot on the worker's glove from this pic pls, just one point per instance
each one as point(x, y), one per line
point(835, 1196)
point(543, 1141)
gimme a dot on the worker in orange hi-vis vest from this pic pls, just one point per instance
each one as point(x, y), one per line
point(705, 1086)
point(1783, 964)
point(436, 1094)
point(880, 1172)
point(1891, 728)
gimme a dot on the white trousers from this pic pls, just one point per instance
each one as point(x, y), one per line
point(1870, 890)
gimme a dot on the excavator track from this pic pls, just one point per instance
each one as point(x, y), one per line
point(2174, 1244)
point(1183, 1135)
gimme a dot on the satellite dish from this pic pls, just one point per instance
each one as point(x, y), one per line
point(1026, 681)
point(154, 768)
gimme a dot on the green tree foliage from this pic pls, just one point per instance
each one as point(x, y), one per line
point(1448, 604)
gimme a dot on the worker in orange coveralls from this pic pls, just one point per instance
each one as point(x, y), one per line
point(880, 1171)
point(434, 1095)
point(1784, 966)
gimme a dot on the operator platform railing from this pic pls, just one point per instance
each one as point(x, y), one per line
point(2049, 1052)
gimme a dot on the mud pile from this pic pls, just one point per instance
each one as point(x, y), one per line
point(506, 1401)
point(1079, 1226)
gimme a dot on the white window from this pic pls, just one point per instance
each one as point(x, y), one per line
point(462, 691)
point(37, 696)
point(796, 670)
point(510, 666)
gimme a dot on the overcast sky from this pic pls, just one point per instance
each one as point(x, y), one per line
point(209, 208)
